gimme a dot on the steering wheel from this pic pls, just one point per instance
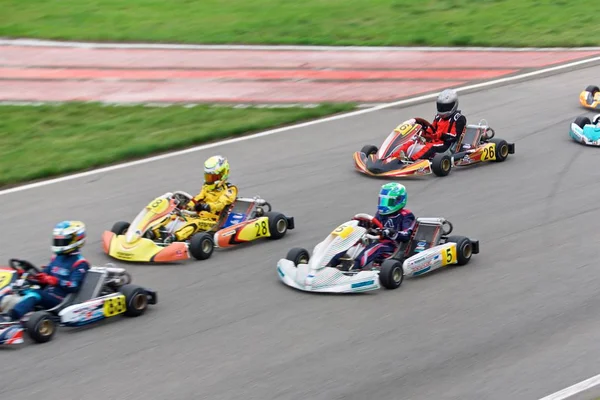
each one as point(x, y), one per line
point(23, 265)
point(369, 220)
point(424, 123)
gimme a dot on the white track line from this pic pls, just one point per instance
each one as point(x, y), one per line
point(576, 390)
point(169, 46)
point(293, 127)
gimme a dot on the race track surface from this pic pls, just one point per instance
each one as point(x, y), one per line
point(519, 322)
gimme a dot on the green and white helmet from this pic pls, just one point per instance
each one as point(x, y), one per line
point(392, 198)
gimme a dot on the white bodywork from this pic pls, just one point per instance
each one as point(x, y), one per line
point(430, 259)
point(317, 277)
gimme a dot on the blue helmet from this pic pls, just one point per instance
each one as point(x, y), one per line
point(392, 198)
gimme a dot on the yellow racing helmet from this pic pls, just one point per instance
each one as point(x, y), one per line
point(216, 171)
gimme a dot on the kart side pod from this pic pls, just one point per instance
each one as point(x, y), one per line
point(271, 226)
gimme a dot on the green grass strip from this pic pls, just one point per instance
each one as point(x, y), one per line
point(44, 141)
point(317, 22)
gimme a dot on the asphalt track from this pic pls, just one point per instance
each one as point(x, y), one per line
point(519, 322)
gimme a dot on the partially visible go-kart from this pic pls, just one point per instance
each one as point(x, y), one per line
point(477, 144)
point(428, 249)
point(246, 220)
point(105, 292)
point(586, 131)
point(590, 97)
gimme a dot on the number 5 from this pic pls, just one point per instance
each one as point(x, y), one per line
point(448, 255)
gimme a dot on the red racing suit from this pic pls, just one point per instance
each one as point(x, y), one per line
point(445, 132)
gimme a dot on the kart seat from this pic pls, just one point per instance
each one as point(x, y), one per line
point(469, 139)
point(425, 236)
point(90, 289)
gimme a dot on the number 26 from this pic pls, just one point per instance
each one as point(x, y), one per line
point(488, 152)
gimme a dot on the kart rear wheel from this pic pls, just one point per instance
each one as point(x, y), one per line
point(391, 274)
point(41, 326)
point(135, 299)
point(278, 225)
point(582, 121)
point(298, 255)
point(592, 89)
point(464, 249)
point(202, 246)
point(441, 164)
point(119, 228)
point(369, 149)
point(501, 149)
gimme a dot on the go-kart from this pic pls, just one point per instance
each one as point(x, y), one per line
point(476, 144)
point(590, 97)
point(428, 249)
point(246, 220)
point(585, 131)
point(105, 293)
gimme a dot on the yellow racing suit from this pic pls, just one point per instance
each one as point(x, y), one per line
point(217, 198)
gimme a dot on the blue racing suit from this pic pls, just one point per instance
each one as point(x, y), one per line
point(400, 226)
point(69, 269)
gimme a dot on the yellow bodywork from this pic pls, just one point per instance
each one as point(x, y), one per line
point(594, 105)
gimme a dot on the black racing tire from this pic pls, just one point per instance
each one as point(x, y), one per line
point(391, 274)
point(298, 255)
point(41, 326)
point(464, 249)
point(501, 150)
point(202, 246)
point(136, 300)
point(369, 149)
point(119, 228)
point(592, 89)
point(441, 164)
point(278, 225)
point(582, 121)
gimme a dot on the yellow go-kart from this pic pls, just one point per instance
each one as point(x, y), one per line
point(246, 220)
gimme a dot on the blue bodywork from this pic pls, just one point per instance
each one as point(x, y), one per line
point(589, 135)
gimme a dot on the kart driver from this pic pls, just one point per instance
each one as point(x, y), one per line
point(398, 223)
point(448, 124)
point(216, 194)
point(63, 275)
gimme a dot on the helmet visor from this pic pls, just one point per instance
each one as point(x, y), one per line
point(62, 241)
point(390, 201)
point(445, 107)
point(211, 178)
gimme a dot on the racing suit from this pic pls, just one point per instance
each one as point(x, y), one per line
point(209, 204)
point(445, 132)
point(63, 275)
point(397, 228)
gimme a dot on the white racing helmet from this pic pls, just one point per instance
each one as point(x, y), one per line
point(447, 103)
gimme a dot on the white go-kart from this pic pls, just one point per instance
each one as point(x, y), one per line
point(428, 249)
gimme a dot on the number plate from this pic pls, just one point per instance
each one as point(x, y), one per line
point(449, 255)
point(343, 231)
point(114, 306)
point(488, 152)
point(5, 278)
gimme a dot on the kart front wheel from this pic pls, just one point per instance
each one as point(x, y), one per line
point(369, 149)
point(202, 246)
point(136, 300)
point(298, 255)
point(464, 249)
point(278, 225)
point(501, 149)
point(119, 228)
point(592, 89)
point(41, 326)
point(582, 121)
point(391, 274)
point(441, 164)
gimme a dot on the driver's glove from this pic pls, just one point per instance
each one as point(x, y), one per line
point(202, 207)
point(388, 233)
point(46, 279)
